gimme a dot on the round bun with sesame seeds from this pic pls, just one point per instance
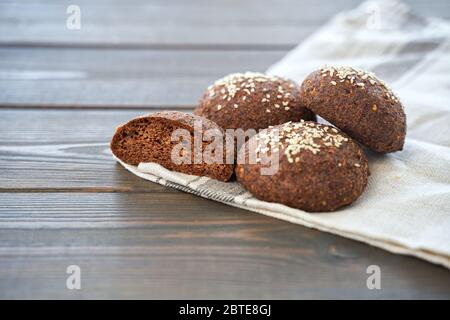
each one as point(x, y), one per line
point(319, 167)
point(252, 101)
point(358, 103)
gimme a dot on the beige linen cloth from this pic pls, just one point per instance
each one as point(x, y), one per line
point(406, 206)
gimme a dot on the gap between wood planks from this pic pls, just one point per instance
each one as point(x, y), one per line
point(82, 190)
point(125, 78)
point(103, 107)
point(147, 46)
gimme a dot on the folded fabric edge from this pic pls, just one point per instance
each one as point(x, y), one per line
point(390, 246)
point(383, 244)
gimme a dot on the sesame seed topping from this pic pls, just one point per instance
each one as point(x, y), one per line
point(268, 110)
point(333, 83)
point(232, 83)
point(246, 84)
point(351, 74)
point(296, 137)
point(357, 165)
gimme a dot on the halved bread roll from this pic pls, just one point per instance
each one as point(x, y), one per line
point(167, 138)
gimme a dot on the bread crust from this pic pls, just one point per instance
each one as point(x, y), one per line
point(358, 103)
point(252, 101)
point(315, 174)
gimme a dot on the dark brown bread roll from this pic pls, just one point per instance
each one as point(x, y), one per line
point(149, 139)
point(358, 103)
point(320, 168)
point(252, 101)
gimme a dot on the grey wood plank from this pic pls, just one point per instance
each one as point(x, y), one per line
point(64, 150)
point(137, 22)
point(250, 23)
point(140, 246)
point(111, 78)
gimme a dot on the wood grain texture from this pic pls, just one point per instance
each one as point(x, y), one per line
point(167, 23)
point(64, 150)
point(136, 246)
point(173, 24)
point(118, 78)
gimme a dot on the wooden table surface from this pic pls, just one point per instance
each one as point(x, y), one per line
point(64, 201)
